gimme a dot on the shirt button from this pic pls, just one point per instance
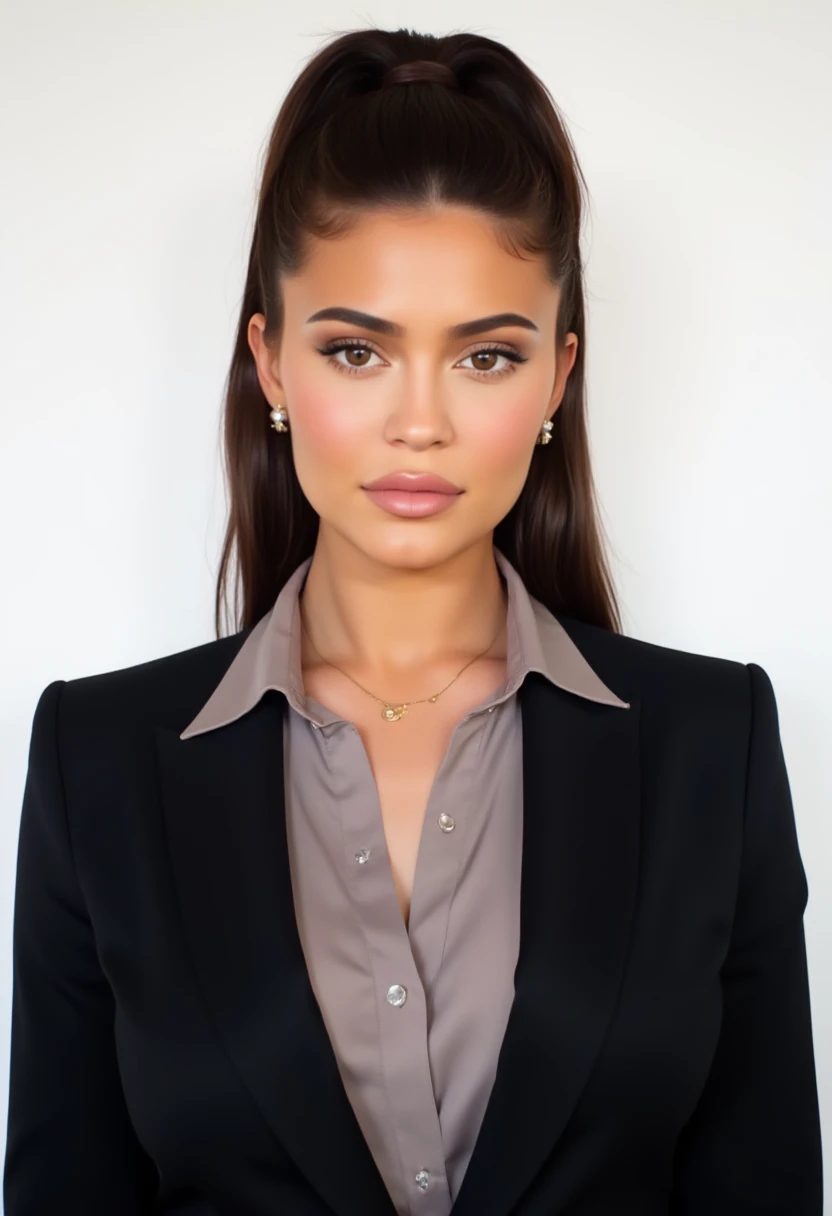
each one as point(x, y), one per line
point(314, 725)
point(396, 994)
point(363, 856)
point(491, 709)
point(446, 823)
point(422, 1180)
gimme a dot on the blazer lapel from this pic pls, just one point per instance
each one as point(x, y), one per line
point(579, 877)
point(223, 800)
point(225, 819)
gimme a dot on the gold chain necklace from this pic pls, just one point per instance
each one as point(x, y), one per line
point(391, 712)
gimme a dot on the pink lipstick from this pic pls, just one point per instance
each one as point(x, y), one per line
point(411, 494)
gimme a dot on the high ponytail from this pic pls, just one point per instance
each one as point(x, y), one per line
point(484, 132)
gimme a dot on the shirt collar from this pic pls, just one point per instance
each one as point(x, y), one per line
point(270, 656)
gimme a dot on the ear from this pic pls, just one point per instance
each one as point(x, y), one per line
point(566, 356)
point(265, 361)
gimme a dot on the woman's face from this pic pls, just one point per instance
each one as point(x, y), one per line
point(412, 395)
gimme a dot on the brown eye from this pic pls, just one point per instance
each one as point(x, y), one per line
point(481, 366)
point(352, 350)
point(361, 352)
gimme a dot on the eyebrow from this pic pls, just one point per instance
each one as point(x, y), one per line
point(352, 316)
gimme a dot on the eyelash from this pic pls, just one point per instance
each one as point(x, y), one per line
point(346, 344)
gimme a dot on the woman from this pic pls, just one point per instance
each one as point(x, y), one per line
point(427, 889)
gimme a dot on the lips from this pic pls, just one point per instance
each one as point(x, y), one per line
point(412, 482)
point(412, 504)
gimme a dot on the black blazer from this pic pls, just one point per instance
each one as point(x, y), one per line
point(168, 1054)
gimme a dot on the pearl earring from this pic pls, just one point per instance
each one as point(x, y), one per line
point(545, 432)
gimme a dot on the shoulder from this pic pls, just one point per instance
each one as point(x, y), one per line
point(168, 690)
point(667, 681)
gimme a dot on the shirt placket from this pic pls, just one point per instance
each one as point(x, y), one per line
point(401, 1005)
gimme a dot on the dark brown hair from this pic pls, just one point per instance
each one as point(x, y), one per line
point(486, 134)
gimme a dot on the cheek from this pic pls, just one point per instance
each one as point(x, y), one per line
point(327, 433)
point(501, 437)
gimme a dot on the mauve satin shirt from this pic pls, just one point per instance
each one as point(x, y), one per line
point(415, 1014)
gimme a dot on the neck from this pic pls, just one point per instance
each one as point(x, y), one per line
point(398, 624)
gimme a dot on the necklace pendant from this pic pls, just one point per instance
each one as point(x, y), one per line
point(392, 713)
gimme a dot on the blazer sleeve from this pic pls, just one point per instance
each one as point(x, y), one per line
point(70, 1147)
point(753, 1142)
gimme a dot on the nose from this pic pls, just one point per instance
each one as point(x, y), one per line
point(420, 417)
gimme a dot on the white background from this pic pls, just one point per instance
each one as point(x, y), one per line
point(129, 148)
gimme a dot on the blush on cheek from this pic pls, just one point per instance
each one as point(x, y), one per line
point(327, 424)
point(502, 444)
point(330, 445)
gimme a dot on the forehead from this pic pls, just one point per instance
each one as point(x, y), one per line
point(440, 262)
